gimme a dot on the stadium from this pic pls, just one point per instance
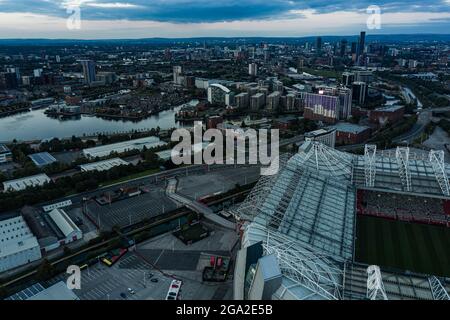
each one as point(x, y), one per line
point(337, 226)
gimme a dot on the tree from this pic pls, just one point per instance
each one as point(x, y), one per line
point(45, 270)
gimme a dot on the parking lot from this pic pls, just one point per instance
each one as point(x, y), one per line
point(99, 282)
point(163, 258)
point(197, 186)
point(133, 210)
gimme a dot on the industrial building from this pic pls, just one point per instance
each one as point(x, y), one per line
point(23, 183)
point(349, 133)
point(65, 225)
point(391, 114)
point(298, 227)
point(103, 165)
point(18, 245)
point(5, 154)
point(58, 291)
point(124, 146)
point(42, 159)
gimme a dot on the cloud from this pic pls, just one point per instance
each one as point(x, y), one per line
point(197, 11)
point(310, 24)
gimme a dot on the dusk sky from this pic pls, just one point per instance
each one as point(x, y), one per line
point(197, 18)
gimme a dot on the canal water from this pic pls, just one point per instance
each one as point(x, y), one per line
point(35, 125)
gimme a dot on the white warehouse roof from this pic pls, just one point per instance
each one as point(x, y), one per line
point(23, 183)
point(103, 165)
point(58, 291)
point(64, 223)
point(137, 144)
point(15, 236)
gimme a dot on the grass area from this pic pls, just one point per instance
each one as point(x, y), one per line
point(131, 177)
point(406, 246)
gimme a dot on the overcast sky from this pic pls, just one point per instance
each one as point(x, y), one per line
point(102, 19)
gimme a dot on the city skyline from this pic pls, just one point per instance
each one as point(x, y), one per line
point(107, 19)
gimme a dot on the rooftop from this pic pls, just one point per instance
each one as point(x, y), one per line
point(136, 144)
point(305, 215)
point(103, 165)
point(350, 127)
point(23, 183)
point(3, 148)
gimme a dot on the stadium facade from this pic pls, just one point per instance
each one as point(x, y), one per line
point(298, 227)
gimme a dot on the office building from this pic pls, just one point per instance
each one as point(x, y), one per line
point(242, 100)
point(178, 75)
point(257, 101)
point(360, 91)
point(343, 48)
point(219, 94)
point(253, 69)
point(88, 71)
point(348, 78)
point(273, 101)
point(319, 45)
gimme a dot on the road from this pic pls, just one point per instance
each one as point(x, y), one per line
point(196, 206)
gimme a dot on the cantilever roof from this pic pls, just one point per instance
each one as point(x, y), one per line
point(305, 215)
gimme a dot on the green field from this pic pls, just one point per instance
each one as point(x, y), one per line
point(402, 245)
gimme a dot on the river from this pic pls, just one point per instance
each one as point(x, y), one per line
point(35, 125)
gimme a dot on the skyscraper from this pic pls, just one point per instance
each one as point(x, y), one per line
point(319, 45)
point(88, 71)
point(361, 44)
point(343, 47)
point(253, 69)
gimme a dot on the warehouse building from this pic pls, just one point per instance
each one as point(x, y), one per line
point(124, 146)
point(388, 114)
point(42, 159)
point(23, 183)
point(348, 133)
point(67, 227)
point(58, 291)
point(5, 154)
point(103, 165)
point(18, 245)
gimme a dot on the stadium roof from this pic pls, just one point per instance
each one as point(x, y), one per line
point(305, 214)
